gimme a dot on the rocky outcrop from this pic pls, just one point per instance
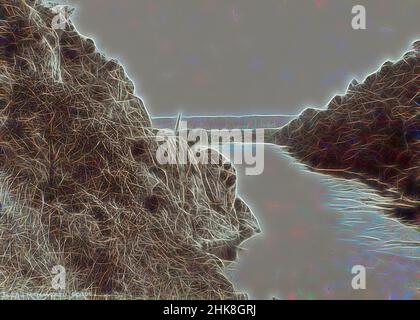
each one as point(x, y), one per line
point(371, 133)
point(80, 185)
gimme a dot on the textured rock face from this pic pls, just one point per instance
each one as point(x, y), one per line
point(80, 185)
point(371, 133)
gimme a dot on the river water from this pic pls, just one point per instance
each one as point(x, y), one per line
point(315, 229)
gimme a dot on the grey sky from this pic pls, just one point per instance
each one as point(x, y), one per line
point(211, 57)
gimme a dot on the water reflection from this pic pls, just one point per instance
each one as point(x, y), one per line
point(315, 229)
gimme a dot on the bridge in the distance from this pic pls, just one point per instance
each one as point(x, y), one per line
point(225, 122)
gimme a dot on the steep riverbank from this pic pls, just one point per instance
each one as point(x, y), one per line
point(372, 133)
point(81, 188)
point(315, 228)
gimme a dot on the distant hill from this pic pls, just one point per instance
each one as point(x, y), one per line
point(225, 122)
point(371, 133)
